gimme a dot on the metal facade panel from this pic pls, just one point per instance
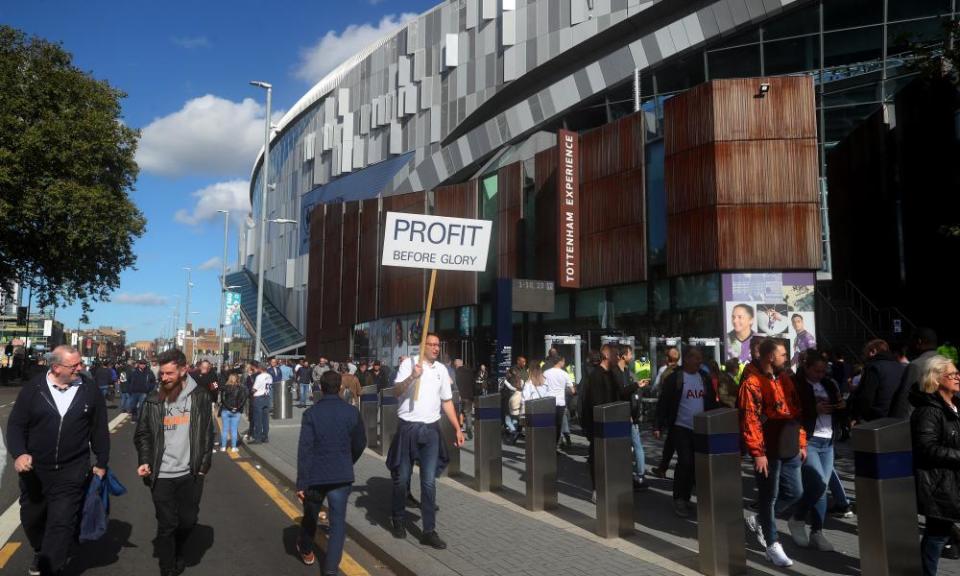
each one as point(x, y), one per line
point(508, 24)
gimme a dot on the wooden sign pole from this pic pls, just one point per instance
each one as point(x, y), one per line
point(426, 329)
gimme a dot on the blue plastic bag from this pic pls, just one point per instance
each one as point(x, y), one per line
point(96, 506)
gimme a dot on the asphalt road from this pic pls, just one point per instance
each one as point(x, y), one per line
point(248, 523)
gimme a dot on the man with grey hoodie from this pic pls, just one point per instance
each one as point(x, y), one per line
point(174, 446)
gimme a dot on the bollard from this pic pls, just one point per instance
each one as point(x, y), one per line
point(886, 498)
point(613, 470)
point(282, 400)
point(388, 418)
point(449, 435)
point(719, 492)
point(541, 453)
point(369, 405)
point(487, 457)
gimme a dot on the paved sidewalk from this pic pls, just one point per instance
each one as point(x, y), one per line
point(492, 533)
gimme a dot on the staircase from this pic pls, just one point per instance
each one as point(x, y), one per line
point(847, 319)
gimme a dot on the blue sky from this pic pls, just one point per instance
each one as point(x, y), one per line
point(185, 67)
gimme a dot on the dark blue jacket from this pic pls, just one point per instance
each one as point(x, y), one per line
point(141, 381)
point(331, 440)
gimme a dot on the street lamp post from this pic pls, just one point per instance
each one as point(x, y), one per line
point(265, 175)
point(223, 282)
point(186, 312)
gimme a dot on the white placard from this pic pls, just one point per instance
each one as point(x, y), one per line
point(436, 242)
point(48, 328)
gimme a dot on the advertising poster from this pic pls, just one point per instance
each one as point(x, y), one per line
point(232, 305)
point(387, 339)
point(773, 304)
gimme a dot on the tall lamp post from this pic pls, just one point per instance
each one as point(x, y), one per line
point(223, 281)
point(186, 312)
point(265, 176)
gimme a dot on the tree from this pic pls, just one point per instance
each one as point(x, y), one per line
point(67, 223)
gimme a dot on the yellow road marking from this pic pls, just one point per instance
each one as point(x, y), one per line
point(348, 565)
point(7, 552)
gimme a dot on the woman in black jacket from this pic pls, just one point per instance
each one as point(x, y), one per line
point(935, 429)
point(824, 414)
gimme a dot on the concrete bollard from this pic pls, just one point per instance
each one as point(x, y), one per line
point(886, 498)
point(613, 470)
point(719, 493)
point(449, 435)
point(541, 453)
point(369, 408)
point(388, 418)
point(487, 457)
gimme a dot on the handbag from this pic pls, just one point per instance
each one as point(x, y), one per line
point(781, 438)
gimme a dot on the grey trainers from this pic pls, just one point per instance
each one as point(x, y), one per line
point(798, 530)
point(820, 542)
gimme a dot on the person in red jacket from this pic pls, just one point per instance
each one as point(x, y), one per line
point(773, 435)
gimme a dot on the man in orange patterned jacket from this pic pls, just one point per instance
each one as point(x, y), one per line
point(770, 425)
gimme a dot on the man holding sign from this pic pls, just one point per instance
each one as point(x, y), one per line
point(418, 436)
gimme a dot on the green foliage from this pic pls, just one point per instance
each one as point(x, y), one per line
point(67, 223)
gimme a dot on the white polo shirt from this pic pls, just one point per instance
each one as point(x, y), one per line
point(435, 386)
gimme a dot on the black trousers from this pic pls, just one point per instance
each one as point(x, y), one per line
point(50, 503)
point(684, 476)
point(177, 503)
point(668, 450)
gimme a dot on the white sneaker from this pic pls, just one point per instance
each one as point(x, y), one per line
point(776, 555)
point(820, 542)
point(224, 449)
point(798, 530)
point(753, 525)
point(234, 450)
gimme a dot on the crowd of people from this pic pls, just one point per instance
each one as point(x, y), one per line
point(793, 412)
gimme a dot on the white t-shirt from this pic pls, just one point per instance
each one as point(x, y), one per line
point(824, 427)
point(261, 384)
point(691, 400)
point(557, 381)
point(531, 392)
point(63, 399)
point(435, 386)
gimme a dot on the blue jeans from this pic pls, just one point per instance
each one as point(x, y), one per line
point(935, 537)
point(306, 393)
point(261, 418)
point(136, 402)
point(428, 453)
point(231, 425)
point(836, 490)
point(816, 472)
point(509, 421)
point(124, 401)
point(639, 460)
point(336, 496)
point(778, 490)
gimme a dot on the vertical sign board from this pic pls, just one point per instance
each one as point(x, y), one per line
point(568, 206)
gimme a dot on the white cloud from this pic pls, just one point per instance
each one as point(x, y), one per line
point(212, 264)
point(191, 42)
point(232, 195)
point(208, 136)
point(333, 49)
point(144, 299)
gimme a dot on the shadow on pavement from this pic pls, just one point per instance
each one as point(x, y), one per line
point(102, 552)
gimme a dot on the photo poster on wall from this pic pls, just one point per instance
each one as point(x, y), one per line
point(768, 304)
point(387, 339)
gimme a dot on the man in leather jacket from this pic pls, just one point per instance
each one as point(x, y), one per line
point(174, 445)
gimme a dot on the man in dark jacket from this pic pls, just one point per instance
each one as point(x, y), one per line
point(332, 439)
point(55, 423)
point(683, 395)
point(878, 384)
point(140, 382)
point(601, 388)
point(922, 347)
point(465, 381)
point(174, 444)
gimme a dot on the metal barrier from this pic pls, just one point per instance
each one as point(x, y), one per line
point(719, 492)
point(487, 457)
point(282, 393)
point(541, 453)
point(613, 469)
point(369, 412)
point(388, 418)
point(886, 498)
point(449, 435)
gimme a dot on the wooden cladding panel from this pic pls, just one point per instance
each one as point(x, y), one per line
point(723, 110)
point(744, 237)
point(456, 288)
point(545, 206)
point(351, 264)
point(315, 284)
point(612, 149)
point(369, 260)
point(742, 172)
point(332, 265)
point(509, 212)
point(402, 290)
